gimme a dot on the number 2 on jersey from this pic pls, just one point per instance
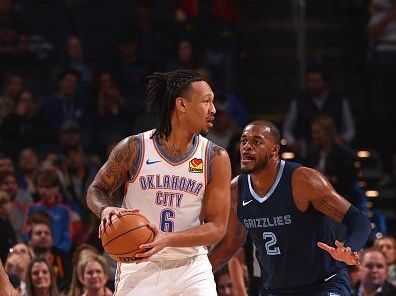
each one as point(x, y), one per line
point(167, 220)
point(270, 242)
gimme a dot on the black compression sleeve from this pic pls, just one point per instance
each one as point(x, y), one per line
point(358, 226)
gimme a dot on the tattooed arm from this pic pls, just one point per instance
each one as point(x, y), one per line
point(311, 187)
point(112, 175)
point(235, 235)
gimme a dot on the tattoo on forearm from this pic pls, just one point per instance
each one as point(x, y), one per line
point(113, 174)
point(330, 209)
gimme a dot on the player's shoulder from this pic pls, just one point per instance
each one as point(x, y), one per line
point(217, 151)
point(305, 177)
point(126, 149)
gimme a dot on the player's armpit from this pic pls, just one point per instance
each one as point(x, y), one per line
point(112, 174)
point(311, 187)
point(235, 235)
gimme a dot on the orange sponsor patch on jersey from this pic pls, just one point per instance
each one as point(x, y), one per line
point(195, 165)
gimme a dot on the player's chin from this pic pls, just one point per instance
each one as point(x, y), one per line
point(246, 168)
point(204, 130)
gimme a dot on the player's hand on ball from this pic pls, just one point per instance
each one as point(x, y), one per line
point(147, 250)
point(107, 214)
point(341, 253)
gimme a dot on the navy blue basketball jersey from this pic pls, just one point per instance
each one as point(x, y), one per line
point(286, 238)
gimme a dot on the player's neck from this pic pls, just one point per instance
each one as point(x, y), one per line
point(178, 143)
point(265, 178)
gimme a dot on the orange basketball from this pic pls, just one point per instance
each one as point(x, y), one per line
point(121, 240)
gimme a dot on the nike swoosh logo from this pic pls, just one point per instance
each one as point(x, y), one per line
point(244, 203)
point(330, 277)
point(148, 162)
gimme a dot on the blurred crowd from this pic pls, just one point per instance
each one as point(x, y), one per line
point(73, 84)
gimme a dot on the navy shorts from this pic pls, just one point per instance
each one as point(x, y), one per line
point(334, 285)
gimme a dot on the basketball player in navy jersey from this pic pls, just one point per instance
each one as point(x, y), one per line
point(177, 179)
point(286, 208)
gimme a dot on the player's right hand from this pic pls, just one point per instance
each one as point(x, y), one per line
point(108, 213)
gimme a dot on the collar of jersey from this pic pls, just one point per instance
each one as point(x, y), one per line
point(176, 161)
point(262, 199)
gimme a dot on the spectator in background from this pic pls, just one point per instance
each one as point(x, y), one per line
point(24, 127)
point(334, 160)
point(224, 127)
point(224, 283)
point(82, 251)
point(51, 202)
point(93, 274)
point(20, 199)
point(28, 163)
point(6, 163)
point(373, 276)
point(69, 136)
point(186, 57)
point(7, 232)
point(132, 70)
point(147, 32)
point(40, 279)
point(317, 99)
point(41, 243)
point(233, 104)
point(78, 176)
point(13, 85)
point(112, 121)
point(65, 104)
point(387, 245)
point(17, 263)
point(75, 53)
point(382, 105)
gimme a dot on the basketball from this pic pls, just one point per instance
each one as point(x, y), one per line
point(121, 239)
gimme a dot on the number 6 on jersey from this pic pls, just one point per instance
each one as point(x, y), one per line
point(167, 220)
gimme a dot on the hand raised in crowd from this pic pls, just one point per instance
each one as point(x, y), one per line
point(341, 253)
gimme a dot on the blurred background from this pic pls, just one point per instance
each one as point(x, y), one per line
point(73, 76)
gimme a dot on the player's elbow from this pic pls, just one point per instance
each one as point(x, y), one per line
point(219, 232)
point(90, 196)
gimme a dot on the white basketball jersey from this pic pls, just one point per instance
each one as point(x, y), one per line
point(169, 192)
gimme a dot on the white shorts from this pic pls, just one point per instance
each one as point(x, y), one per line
point(185, 277)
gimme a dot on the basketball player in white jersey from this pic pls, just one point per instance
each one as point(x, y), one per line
point(176, 178)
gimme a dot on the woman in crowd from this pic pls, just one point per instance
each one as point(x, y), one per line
point(93, 274)
point(82, 251)
point(40, 279)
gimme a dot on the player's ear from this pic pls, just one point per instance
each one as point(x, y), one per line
point(180, 104)
point(275, 150)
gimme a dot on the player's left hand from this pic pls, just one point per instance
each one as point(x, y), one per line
point(159, 242)
point(341, 253)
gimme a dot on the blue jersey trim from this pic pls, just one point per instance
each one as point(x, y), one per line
point(269, 193)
